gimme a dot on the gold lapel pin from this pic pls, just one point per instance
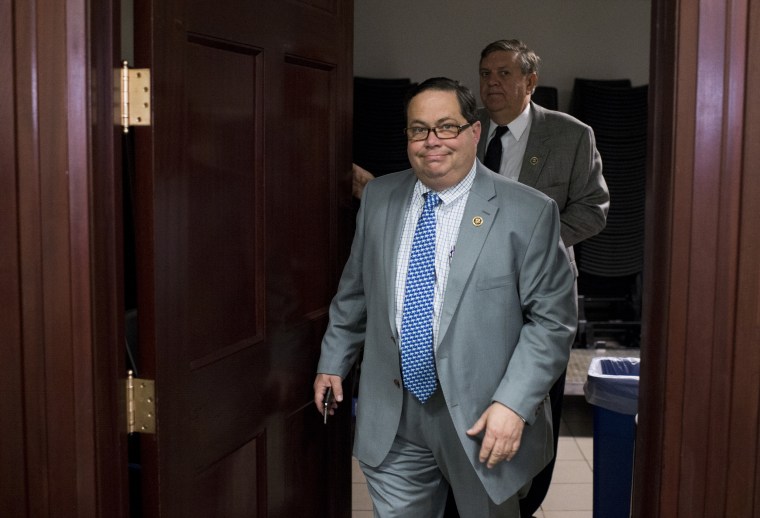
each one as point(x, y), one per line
point(477, 221)
point(533, 160)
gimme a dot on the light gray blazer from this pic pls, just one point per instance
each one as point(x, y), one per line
point(507, 324)
point(561, 161)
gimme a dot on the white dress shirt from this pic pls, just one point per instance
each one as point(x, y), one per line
point(448, 216)
point(513, 142)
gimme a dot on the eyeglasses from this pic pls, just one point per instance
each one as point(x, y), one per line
point(444, 131)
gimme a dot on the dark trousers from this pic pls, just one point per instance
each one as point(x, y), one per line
point(538, 489)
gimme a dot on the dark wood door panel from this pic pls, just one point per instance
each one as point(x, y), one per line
point(222, 215)
point(232, 487)
point(301, 201)
point(301, 28)
point(238, 253)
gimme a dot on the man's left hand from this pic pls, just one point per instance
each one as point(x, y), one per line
point(503, 431)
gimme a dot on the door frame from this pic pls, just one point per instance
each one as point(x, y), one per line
point(63, 287)
point(697, 446)
point(65, 451)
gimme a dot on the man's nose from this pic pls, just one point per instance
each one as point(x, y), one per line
point(432, 138)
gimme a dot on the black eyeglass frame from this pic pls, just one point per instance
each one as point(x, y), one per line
point(435, 131)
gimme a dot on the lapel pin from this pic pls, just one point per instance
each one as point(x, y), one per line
point(477, 221)
point(533, 160)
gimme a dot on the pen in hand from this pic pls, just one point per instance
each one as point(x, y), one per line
point(326, 404)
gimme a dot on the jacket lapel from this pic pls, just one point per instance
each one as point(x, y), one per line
point(537, 149)
point(394, 225)
point(479, 215)
point(485, 126)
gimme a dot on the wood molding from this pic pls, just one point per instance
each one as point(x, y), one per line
point(58, 202)
point(690, 380)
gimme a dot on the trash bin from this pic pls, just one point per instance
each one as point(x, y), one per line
point(612, 388)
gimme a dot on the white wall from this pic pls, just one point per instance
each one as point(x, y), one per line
point(593, 39)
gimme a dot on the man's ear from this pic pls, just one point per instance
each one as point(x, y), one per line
point(532, 82)
point(476, 129)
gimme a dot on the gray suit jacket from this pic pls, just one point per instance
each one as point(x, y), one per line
point(507, 321)
point(561, 161)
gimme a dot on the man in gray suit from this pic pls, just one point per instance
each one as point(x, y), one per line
point(503, 319)
point(549, 151)
point(545, 149)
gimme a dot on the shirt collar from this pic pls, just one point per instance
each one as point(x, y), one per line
point(517, 127)
point(452, 193)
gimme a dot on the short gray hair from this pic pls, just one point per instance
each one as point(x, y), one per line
point(529, 60)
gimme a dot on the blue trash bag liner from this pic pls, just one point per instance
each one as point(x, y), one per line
point(613, 384)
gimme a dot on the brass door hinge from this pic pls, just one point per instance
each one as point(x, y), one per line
point(135, 97)
point(141, 405)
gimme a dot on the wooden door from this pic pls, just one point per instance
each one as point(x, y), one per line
point(239, 184)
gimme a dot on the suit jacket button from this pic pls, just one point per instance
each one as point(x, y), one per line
point(397, 383)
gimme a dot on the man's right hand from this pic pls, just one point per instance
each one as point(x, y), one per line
point(359, 178)
point(321, 384)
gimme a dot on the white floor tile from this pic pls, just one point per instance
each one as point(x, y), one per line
point(586, 446)
point(360, 500)
point(357, 476)
point(569, 497)
point(572, 472)
point(568, 514)
point(567, 449)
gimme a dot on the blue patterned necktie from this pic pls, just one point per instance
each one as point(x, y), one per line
point(417, 357)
